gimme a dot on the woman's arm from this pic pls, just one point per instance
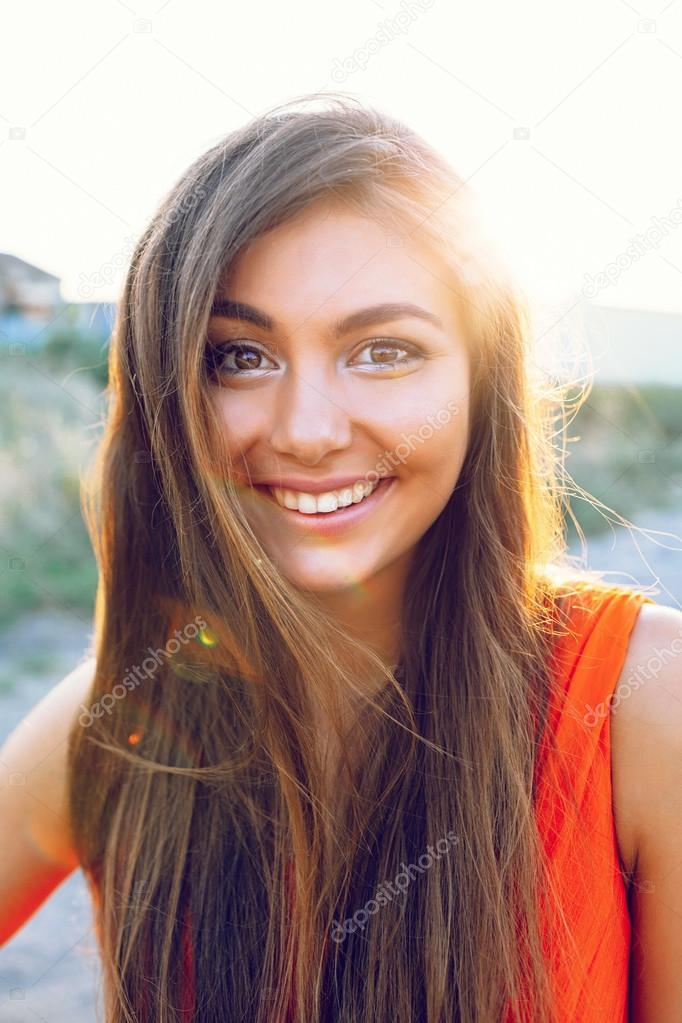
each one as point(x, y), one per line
point(647, 762)
point(36, 847)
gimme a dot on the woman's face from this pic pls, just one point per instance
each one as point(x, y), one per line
point(316, 390)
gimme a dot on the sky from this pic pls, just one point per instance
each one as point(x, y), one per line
point(563, 118)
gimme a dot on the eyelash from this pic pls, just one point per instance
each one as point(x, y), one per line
point(217, 353)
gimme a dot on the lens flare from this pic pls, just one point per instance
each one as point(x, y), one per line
point(206, 637)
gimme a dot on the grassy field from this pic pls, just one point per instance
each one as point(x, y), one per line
point(51, 409)
point(625, 449)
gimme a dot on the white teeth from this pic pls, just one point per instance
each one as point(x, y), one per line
point(359, 491)
point(345, 497)
point(311, 504)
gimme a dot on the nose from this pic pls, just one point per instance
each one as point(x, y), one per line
point(309, 421)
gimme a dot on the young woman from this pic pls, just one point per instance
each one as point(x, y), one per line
point(349, 747)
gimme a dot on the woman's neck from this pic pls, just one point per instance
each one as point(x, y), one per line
point(371, 611)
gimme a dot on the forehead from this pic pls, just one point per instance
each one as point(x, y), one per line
point(330, 260)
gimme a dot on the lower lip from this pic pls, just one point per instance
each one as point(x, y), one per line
point(329, 523)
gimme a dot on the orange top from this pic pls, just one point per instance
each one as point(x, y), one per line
point(591, 981)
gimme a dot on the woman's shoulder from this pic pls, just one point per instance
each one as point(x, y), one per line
point(37, 847)
point(646, 728)
point(646, 739)
point(36, 752)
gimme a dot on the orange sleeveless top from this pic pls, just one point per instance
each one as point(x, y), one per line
point(590, 979)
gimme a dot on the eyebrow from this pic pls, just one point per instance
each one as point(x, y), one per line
point(362, 318)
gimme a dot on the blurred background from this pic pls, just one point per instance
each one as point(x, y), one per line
point(562, 118)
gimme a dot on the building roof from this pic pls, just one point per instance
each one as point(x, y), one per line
point(13, 266)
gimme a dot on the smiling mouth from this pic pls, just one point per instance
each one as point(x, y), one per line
point(349, 511)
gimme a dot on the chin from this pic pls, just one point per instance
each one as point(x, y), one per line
point(323, 574)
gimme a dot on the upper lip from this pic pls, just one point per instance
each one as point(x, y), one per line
point(315, 486)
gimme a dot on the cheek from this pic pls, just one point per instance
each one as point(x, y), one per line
point(241, 420)
point(431, 443)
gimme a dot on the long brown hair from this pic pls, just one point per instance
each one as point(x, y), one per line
point(196, 782)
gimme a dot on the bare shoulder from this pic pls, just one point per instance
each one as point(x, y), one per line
point(646, 734)
point(647, 769)
point(37, 850)
point(34, 757)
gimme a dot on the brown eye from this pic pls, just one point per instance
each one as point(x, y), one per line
point(245, 358)
point(383, 353)
point(235, 359)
